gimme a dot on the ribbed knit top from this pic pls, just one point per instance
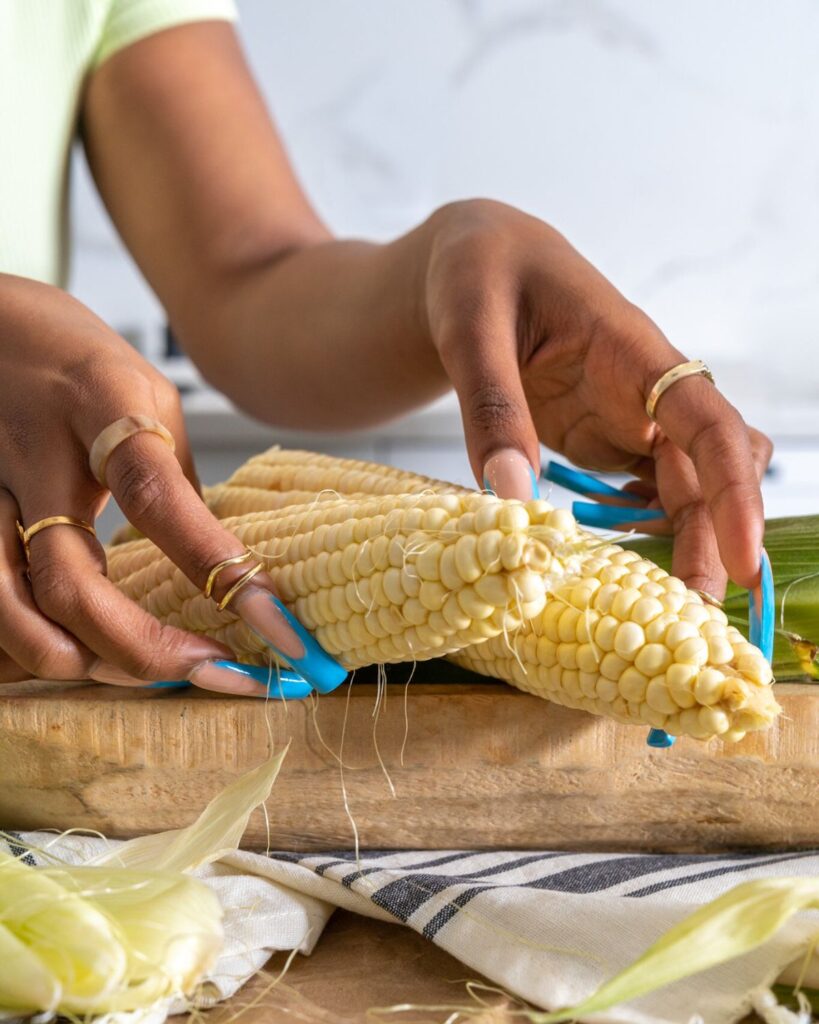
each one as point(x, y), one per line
point(47, 50)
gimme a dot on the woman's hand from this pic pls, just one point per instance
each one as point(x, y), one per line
point(541, 347)
point(64, 377)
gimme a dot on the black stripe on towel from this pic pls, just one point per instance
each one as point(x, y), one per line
point(575, 880)
point(753, 862)
point(16, 849)
point(405, 896)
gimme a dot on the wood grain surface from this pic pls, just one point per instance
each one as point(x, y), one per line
point(484, 766)
point(358, 966)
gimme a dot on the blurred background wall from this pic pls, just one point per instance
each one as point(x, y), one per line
point(677, 146)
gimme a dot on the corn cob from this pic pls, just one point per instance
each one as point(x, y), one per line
point(298, 477)
point(378, 579)
point(282, 477)
point(617, 636)
point(791, 544)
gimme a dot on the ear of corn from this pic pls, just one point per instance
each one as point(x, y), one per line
point(510, 590)
point(792, 544)
point(377, 579)
point(620, 637)
point(298, 477)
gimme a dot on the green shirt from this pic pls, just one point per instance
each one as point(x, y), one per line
point(47, 48)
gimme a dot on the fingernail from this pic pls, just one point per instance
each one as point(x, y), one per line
point(584, 483)
point(262, 612)
point(103, 672)
point(249, 680)
point(171, 684)
point(509, 474)
point(761, 607)
point(281, 630)
point(611, 517)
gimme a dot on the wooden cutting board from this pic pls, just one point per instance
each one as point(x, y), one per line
point(484, 766)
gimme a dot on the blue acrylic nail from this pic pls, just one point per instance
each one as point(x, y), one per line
point(584, 483)
point(171, 684)
point(761, 609)
point(611, 517)
point(315, 665)
point(535, 484)
point(282, 683)
point(660, 739)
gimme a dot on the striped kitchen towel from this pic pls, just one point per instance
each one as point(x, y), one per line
point(549, 926)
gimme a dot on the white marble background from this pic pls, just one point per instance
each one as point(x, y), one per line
point(677, 145)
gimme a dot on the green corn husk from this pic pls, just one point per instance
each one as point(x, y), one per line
point(793, 546)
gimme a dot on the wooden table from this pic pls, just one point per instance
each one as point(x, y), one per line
point(484, 765)
point(359, 964)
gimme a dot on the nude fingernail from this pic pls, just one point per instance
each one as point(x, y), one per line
point(248, 680)
point(509, 474)
point(261, 612)
point(222, 676)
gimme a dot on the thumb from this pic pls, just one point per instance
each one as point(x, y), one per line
point(501, 440)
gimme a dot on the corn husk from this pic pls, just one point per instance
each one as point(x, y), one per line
point(793, 547)
point(128, 932)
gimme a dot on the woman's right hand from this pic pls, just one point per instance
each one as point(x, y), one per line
point(64, 377)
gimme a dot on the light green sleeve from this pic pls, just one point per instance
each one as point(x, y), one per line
point(131, 20)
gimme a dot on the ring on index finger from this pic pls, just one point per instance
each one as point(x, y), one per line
point(694, 368)
point(112, 436)
point(243, 580)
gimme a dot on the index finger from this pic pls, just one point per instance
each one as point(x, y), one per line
point(156, 496)
point(696, 417)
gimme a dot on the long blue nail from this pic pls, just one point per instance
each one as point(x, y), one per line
point(660, 739)
point(535, 484)
point(172, 684)
point(584, 483)
point(761, 609)
point(315, 665)
point(611, 517)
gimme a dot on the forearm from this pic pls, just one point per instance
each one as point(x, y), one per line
point(330, 336)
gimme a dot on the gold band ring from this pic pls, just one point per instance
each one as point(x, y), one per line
point(212, 575)
point(115, 433)
point(237, 586)
point(709, 598)
point(26, 533)
point(694, 368)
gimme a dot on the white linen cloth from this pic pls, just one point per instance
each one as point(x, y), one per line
point(549, 927)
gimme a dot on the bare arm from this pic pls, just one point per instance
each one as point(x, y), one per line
point(303, 330)
point(296, 328)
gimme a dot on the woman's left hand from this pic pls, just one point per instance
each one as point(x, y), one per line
point(542, 348)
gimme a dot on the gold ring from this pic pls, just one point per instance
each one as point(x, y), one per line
point(25, 534)
point(223, 565)
point(115, 433)
point(709, 598)
point(695, 368)
point(237, 586)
